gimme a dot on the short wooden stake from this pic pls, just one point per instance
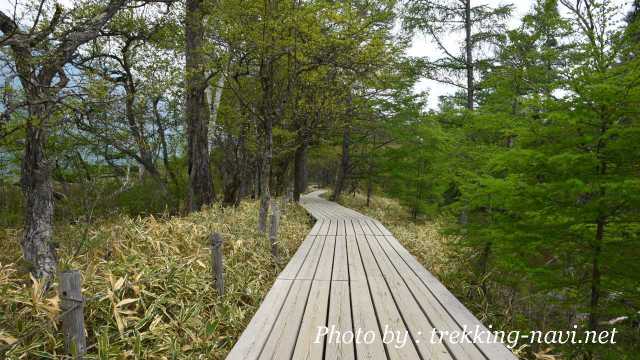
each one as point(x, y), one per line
point(72, 306)
point(273, 230)
point(288, 196)
point(216, 260)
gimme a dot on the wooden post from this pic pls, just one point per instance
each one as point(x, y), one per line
point(216, 260)
point(273, 230)
point(72, 306)
point(287, 197)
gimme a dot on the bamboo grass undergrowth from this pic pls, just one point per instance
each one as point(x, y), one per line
point(149, 285)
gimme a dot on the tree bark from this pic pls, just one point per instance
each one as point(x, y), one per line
point(197, 111)
point(300, 171)
point(163, 143)
point(595, 275)
point(233, 167)
point(345, 163)
point(215, 95)
point(370, 172)
point(265, 195)
point(146, 158)
point(37, 246)
point(469, 54)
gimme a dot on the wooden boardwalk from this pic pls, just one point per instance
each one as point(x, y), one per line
point(353, 281)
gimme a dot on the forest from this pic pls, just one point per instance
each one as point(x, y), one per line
point(132, 129)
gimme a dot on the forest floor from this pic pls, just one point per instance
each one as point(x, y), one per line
point(148, 282)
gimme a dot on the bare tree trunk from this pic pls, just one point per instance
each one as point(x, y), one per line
point(146, 158)
point(215, 95)
point(469, 54)
point(37, 246)
point(197, 111)
point(345, 163)
point(246, 180)
point(300, 171)
point(370, 173)
point(369, 190)
point(163, 143)
point(233, 167)
point(595, 275)
point(265, 196)
point(257, 177)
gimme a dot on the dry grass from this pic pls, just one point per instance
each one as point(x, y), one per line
point(150, 285)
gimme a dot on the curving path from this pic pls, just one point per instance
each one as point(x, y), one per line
point(352, 291)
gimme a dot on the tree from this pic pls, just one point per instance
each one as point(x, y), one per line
point(196, 107)
point(122, 61)
point(552, 143)
point(40, 53)
point(482, 26)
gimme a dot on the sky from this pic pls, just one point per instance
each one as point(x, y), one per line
point(423, 47)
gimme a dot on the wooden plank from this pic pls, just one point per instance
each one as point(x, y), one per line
point(356, 271)
point(325, 264)
point(349, 227)
point(357, 228)
point(291, 270)
point(363, 226)
point(382, 228)
point(255, 334)
point(415, 320)
point(308, 268)
point(340, 263)
point(282, 339)
point(340, 318)
point(454, 307)
point(324, 230)
point(315, 315)
point(364, 321)
point(333, 227)
point(363, 312)
point(316, 227)
point(429, 305)
point(341, 227)
point(389, 318)
point(372, 226)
